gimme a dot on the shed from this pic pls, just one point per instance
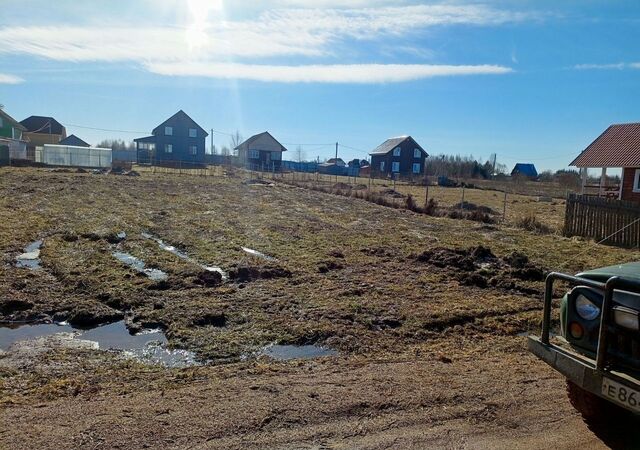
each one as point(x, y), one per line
point(525, 170)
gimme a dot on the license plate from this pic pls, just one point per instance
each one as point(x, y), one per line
point(621, 394)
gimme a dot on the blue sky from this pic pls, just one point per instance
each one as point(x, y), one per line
point(533, 81)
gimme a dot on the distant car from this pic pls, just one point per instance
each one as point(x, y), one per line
point(598, 349)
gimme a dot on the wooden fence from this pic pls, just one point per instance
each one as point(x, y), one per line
point(614, 221)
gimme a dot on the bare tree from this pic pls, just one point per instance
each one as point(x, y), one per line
point(236, 139)
point(224, 151)
point(300, 156)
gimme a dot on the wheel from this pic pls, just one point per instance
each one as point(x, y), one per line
point(593, 408)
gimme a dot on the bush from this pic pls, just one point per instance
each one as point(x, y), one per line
point(531, 223)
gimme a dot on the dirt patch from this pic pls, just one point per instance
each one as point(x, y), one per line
point(208, 278)
point(250, 273)
point(329, 266)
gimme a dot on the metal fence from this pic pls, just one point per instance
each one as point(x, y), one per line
point(614, 222)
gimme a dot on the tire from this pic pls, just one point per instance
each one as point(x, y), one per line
point(594, 410)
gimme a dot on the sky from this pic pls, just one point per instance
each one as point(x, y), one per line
point(532, 81)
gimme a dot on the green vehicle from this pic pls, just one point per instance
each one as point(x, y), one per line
point(598, 349)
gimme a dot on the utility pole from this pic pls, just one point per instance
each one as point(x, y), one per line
point(212, 145)
point(336, 162)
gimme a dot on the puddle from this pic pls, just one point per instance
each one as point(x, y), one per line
point(139, 265)
point(286, 352)
point(30, 259)
point(149, 345)
point(182, 255)
point(258, 254)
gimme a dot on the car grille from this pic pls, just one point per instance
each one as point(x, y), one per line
point(624, 348)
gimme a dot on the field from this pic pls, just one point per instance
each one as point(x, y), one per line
point(427, 316)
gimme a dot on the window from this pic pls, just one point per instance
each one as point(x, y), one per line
point(395, 166)
point(417, 153)
point(416, 167)
point(193, 150)
point(193, 132)
point(168, 148)
point(636, 181)
point(381, 166)
point(254, 154)
point(396, 151)
point(168, 131)
point(276, 156)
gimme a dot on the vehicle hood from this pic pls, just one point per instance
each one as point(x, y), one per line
point(629, 270)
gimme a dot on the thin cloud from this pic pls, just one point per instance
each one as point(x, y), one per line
point(349, 73)
point(617, 66)
point(10, 79)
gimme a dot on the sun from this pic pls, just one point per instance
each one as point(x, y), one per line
point(201, 12)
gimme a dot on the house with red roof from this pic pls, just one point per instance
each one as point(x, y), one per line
point(618, 147)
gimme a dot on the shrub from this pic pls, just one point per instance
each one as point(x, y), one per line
point(531, 223)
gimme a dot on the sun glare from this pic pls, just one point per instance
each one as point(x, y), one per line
point(201, 12)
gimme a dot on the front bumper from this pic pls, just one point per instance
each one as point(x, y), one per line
point(578, 368)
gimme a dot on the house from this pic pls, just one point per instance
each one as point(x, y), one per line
point(398, 157)
point(12, 144)
point(41, 130)
point(178, 141)
point(525, 170)
point(618, 147)
point(261, 152)
point(74, 141)
point(337, 161)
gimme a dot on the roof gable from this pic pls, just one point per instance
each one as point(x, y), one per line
point(525, 169)
point(43, 125)
point(255, 137)
point(73, 141)
point(617, 146)
point(14, 123)
point(179, 118)
point(392, 143)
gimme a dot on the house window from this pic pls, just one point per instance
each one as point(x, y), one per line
point(168, 148)
point(168, 131)
point(276, 156)
point(636, 181)
point(193, 132)
point(193, 150)
point(417, 153)
point(381, 166)
point(395, 166)
point(416, 167)
point(396, 151)
point(254, 154)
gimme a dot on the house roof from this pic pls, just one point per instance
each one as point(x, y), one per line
point(145, 139)
point(43, 125)
point(618, 146)
point(335, 161)
point(259, 135)
point(392, 143)
point(180, 115)
point(525, 169)
point(73, 141)
point(12, 121)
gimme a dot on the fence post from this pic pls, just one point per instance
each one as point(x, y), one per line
point(426, 194)
point(504, 207)
point(462, 202)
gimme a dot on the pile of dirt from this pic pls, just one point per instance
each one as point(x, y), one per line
point(329, 266)
point(245, 273)
point(478, 266)
point(393, 193)
point(208, 278)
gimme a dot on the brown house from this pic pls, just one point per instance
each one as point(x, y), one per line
point(400, 157)
point(618, 147)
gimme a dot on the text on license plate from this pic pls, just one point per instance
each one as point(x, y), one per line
point(621, 394)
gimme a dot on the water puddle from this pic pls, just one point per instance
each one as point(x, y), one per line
point(253, 252)
point(30, 259)
point(148, 346)
point(182, 255)
point(139, 265)
point(286, 352)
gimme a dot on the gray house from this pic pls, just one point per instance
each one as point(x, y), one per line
point(400, 157)
point(178, 141)
point(261, 152)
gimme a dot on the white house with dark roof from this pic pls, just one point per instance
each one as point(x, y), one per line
point(398, 157)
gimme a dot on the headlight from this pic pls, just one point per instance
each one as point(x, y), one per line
point(586, 308)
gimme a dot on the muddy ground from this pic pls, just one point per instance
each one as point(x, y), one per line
point(426, 313)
